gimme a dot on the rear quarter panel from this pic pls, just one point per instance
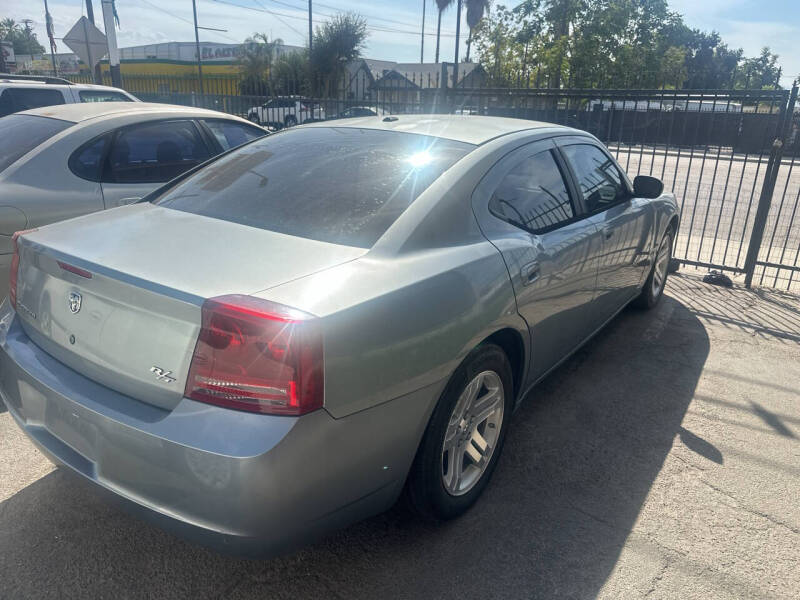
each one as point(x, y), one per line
point(393, 326)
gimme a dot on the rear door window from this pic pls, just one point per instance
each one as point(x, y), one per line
point(230, 134)
point(154, 152)
point(102, 96)
point(335, 184)
point(18, 99)
point(533, 195)
point(22, 133)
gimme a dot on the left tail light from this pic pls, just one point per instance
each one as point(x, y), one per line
point(258, 356)
point(14, 272)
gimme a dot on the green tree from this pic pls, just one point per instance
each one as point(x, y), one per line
point(255, 62)
point(290, 74)
point(336, 43)
point(498, 48)
point(760, 72)
point(23, 38)
point(673, 68)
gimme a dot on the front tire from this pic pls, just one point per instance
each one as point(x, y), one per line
point(253, 118)
point(290, 121)
point(464, 438)
point(657, 280)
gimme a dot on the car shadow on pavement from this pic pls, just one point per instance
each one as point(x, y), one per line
point(581, 455)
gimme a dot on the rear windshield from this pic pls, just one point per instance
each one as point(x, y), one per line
point(333, 184)
point(22, 133)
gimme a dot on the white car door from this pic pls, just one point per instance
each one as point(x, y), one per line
point(145, 155)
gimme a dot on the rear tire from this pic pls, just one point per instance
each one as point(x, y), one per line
point(290, 121)
point(464, 437)
point(657, 280)
point(253, 118)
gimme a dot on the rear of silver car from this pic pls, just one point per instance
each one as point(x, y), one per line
point(99, 383)
point(141, 348)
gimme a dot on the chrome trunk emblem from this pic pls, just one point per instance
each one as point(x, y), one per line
point(162, 374)
point(74, 299)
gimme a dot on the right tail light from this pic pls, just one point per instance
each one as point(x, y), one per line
point(258, 356)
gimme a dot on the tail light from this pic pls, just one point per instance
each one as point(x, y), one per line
point(12, 279)
point(257, 356)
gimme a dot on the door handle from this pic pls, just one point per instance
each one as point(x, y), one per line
point(608, 232)
point(530, 273)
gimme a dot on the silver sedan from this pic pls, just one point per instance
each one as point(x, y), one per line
point(59, 162)
point(256, 354)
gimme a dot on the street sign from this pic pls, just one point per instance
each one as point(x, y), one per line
point(87, 41)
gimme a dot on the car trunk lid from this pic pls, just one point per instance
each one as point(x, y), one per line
point(117, 295)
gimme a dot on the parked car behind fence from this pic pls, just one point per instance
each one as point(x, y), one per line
point(286, 112)
point(23, 92)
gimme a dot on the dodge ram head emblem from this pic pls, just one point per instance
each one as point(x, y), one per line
point(74, 299)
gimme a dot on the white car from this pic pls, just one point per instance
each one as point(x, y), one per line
point(285, 112)
point(362, 111)
point(60, 162)
point(18, 93)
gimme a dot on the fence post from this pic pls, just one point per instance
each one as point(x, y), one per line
point(767, 188)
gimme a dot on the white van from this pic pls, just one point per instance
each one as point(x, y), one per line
point(23, 92)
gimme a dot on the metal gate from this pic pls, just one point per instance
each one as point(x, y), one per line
point(728, 155)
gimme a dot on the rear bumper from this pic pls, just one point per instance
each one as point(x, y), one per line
point(239, 482)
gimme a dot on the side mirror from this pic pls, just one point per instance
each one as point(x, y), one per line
point(647, 187)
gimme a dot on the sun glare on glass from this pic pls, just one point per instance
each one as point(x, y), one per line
point(420, 159)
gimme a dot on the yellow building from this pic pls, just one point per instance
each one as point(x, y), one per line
point(171, 68)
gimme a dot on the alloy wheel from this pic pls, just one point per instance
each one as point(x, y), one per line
point(661, 266)
point(472, 433)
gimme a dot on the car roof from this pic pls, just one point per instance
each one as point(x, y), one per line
point(83, 111)
point(37, 83)
point(471, 129)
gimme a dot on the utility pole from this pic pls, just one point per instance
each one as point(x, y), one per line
point(98, 75)
point(51, 34)
point(458, 33)
point(197, 44)
point(422, 41)
point(438, 34)
point(111, 38)
point(310, 28)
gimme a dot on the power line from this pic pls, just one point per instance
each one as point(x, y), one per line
point(180, 18)
point(277, 17)
point(274, 13)
point(367, 15)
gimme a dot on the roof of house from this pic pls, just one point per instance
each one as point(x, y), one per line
point(421, 75)
point(425, 75)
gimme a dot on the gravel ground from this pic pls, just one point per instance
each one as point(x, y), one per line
point(662, 460)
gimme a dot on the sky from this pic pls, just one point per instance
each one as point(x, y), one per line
point(394, 25)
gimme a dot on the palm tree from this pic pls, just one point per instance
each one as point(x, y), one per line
point(255, 62)
point(442, 6)
point(475, 11)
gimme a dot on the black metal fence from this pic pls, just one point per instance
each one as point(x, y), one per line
point(728, 155)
